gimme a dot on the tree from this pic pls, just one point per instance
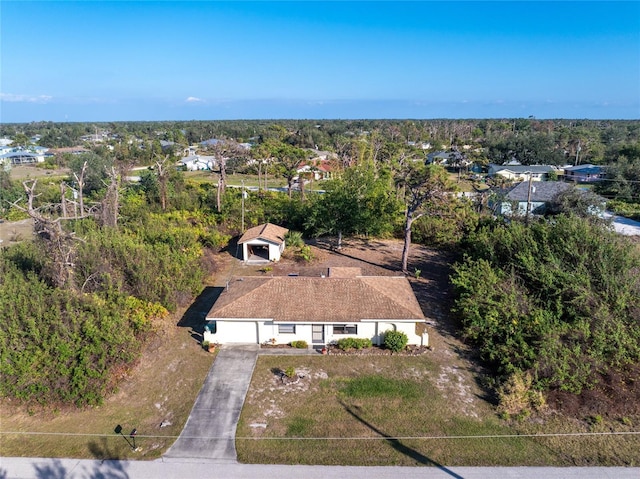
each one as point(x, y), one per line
point(96, 171)
point(288, 159)
point(360, 201)
point(20, 139)
point(578, 202)
point(9, 192)
point(426, 190)
point(223, 151)
point(161, 167)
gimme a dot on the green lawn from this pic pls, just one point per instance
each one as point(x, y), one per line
point(377, 410)
point(236, 179)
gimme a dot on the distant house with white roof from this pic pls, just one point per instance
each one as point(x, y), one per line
point(197, 162)
point(522, 172)
point(21, 156)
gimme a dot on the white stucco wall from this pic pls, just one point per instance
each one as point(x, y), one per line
point(275, 250)
point(261, 331)
point(521, 209)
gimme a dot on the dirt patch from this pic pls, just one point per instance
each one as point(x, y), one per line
point(13, 232)
point(24, 172)
point(617, 395)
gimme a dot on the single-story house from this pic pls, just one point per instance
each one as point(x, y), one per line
point(20, 156)
point(198, 162)
point(264, 242)
point(439, 158)
point(522, 172)
point(542, 194)
point(584, 173)
point(321, 169)
point(319, 310)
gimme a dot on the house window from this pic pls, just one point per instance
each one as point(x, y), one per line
point(211, 327)
point(287, 328)
point(345, 329)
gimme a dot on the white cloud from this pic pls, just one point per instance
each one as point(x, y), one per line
point(13, 98)
point(194, 99)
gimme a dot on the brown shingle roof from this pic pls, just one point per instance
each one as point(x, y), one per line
point(267, 231)
point(314, 299)
point(344, 272)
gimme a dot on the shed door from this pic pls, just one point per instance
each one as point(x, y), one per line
point(317, 333)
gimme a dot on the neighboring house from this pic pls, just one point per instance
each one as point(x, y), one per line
point(584, 173)
point(198, 162)
point(542, 194)
point(264, 242)
point(72, 150)
point(439, 158)
point(321, 168)
point(424, 145)
point(21, 156)
point(166, 145)
point(319, 310)
point(521, 172)
point(210, 142)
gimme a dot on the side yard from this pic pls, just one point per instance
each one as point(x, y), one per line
point(155, 397)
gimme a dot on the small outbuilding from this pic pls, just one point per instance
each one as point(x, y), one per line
point(264, 242)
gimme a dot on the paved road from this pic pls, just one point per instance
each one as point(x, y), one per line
point(29, 468)
point(217, 409)
point(624, 226)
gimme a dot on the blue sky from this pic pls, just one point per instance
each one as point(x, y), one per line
point(205, 60)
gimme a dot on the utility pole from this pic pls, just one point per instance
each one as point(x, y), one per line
point(242, 206)
point(526, 218)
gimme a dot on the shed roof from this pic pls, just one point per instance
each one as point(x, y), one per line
point(315, 299)
point(266, 231)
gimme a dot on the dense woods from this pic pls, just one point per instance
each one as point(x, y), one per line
point(554, 303)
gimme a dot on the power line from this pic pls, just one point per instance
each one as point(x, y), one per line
point(329, 438)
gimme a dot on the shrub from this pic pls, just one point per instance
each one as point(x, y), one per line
point(306, 254)
point(354, 343)
point(396, 341)
point(290, 372)
point(517, 397)
point(294, 239)
point(301, 344)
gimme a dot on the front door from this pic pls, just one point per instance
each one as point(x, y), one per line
point(317, 333)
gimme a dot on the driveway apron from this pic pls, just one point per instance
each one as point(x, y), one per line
point(211, 428)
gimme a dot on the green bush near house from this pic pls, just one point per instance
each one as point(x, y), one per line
point(396, 341)
point(354, 343)
point(301, 344)
point(294, 239)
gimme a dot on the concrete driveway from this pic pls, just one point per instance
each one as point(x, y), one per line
point(211, 428)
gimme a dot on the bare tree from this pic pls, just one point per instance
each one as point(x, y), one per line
point(60, 245)
point(110, 205)
point(162, 174)
point(223, 151)
point(426, 189)
point(80, 182)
